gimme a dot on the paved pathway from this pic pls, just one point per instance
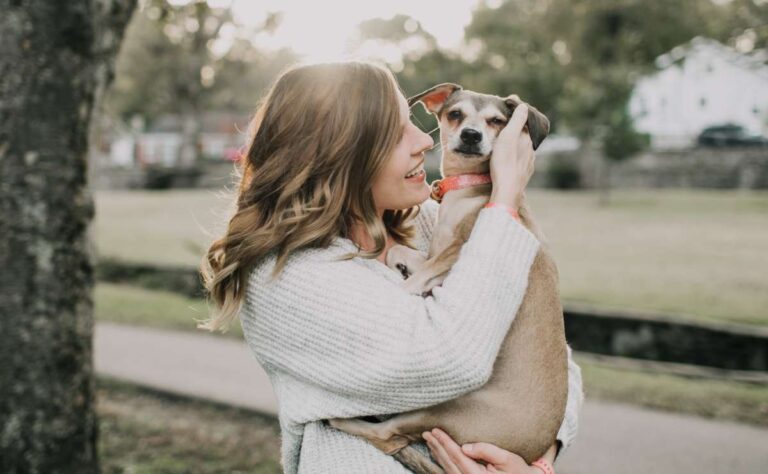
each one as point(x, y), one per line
point(613, 438)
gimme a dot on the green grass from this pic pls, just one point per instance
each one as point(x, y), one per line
point(144, 432)
point(700, 254)
point(720, 399)
point(697, 253)
point(161, 309)
point(164, 227)
point(710, 398)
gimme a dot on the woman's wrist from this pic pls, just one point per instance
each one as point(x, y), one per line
point(544, 466)
point(510, 198)
point(545, 463)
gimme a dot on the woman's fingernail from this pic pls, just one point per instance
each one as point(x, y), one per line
point(467, 448)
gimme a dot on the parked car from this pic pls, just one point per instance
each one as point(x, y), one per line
point(729, 134)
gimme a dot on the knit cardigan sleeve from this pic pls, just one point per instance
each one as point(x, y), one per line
point(357, 338)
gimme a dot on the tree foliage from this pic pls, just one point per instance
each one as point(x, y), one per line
point(188, 58)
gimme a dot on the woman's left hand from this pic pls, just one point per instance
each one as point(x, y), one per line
point(461, 460)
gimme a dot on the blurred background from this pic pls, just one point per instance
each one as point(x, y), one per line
point(652, 191)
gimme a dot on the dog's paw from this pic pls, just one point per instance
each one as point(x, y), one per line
point(403, 269)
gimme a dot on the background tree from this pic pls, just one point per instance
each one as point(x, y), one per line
point(578, 60)
point(56, 59)
point(187, 59)
point(620, 142)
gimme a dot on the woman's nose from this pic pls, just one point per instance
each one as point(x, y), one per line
point(427, 140)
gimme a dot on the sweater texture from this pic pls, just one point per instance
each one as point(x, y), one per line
point(342, 339)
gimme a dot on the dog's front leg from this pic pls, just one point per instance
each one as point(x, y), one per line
point(433, 271)
point(380, 435)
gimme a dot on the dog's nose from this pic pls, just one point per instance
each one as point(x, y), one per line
point(470, 136)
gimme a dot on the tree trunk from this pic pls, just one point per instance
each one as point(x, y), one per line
point(56, 58)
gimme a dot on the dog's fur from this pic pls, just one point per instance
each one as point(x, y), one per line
point(522, 406)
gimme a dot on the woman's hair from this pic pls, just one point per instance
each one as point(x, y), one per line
point(316, 144)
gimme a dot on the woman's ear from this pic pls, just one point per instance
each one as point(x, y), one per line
point(434, 97)
point(538, 123)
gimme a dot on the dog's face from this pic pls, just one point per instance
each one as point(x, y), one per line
point(470, 123)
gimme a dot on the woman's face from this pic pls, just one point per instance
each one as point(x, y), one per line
point(392, 190)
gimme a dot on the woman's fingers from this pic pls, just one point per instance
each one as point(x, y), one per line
point(490, 453)
point(465, 464)
point(519, 117)
point(440, 454)
point(517, 120)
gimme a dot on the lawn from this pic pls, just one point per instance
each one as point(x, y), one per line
point(145, 432)
point(710, 398)
point(702, 254)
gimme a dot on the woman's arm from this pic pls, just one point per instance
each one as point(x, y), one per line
point(359, 338)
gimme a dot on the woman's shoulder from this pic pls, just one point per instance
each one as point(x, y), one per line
point(300, 260)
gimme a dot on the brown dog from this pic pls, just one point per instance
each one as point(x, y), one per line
point(522, 406)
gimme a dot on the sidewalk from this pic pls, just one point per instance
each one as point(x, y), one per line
point(613, 438)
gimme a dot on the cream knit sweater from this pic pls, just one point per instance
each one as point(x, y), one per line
point(342, 339)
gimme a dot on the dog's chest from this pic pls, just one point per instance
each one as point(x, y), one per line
point(454, 209)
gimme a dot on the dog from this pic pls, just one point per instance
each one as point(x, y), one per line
point(522, 406)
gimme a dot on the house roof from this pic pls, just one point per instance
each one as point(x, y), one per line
point(700, 45)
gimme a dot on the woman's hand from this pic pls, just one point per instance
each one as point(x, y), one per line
point(461, 460)
point(512, 160)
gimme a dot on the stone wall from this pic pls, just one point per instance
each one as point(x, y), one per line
point(723, 168)
point(700, 167)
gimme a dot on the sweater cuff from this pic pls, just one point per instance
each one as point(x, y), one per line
point(562, 437)
point(565, 435)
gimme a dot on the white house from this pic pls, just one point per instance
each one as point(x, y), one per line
point(700, 84)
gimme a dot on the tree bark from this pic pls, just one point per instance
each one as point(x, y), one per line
point(56, 59)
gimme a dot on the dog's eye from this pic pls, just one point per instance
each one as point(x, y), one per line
point(455, 115)
point(497, 121)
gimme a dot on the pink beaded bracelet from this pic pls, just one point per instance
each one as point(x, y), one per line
point(512, 211)
point(544, 465)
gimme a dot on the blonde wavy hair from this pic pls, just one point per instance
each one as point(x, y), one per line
point(317, 142)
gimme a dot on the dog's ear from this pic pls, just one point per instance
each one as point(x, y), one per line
point(434, 97)
point(538, 123)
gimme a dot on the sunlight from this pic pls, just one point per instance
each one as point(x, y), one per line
point(323, 31)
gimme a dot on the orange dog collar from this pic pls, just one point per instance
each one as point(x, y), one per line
point(459, 181)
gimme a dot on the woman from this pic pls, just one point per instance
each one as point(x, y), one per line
point(322, 197)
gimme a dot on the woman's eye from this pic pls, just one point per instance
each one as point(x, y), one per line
point(455, 114)
point(497, 121)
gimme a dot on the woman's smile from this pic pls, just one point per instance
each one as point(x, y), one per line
point(419, 177)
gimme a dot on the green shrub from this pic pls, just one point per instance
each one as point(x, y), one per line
point(563, 173)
